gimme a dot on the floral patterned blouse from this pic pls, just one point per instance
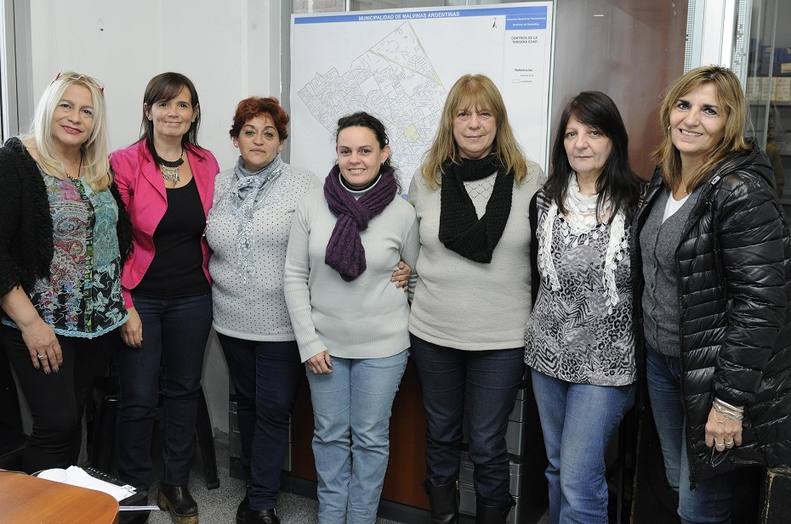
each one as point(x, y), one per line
point(82, 297)
point(573, 334)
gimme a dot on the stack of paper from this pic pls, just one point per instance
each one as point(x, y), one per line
point(76, 476)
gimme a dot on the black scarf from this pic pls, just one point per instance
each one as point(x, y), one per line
point(460, 229)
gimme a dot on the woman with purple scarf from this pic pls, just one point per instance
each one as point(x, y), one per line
point(349, 320)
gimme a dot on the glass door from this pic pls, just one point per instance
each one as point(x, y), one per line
point(768, 85)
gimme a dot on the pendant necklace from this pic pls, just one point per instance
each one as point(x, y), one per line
point(79, 168)
point(170, 168)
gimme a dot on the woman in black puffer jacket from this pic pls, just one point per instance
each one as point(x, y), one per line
point(715, 257)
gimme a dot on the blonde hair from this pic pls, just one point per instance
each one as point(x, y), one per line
point(730, 98)
point(95, 164)
point(472, 91)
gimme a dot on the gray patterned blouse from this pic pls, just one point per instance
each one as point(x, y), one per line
point(571, 334)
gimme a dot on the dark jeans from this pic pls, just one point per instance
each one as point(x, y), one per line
point(265, 376)
point(57, 400)
point(174, 340)
point(478, 387)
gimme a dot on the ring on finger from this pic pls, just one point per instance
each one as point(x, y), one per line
point(40, 355)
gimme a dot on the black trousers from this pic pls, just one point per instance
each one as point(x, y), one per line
point(168, 365)
point(57, 400)
point(266, 376)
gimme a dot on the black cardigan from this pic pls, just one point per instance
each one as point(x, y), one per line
point(26, 246)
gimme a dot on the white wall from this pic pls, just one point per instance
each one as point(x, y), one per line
point(230, 50)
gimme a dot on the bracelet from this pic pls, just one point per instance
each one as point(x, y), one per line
point(728, 410)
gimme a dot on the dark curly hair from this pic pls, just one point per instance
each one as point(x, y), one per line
point(363, 119)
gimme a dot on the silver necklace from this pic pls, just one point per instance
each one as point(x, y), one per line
point(170, 174)
point(170, 168)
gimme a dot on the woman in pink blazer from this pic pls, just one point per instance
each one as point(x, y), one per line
point(166, 182)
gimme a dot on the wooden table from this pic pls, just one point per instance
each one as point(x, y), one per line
point(30, 500)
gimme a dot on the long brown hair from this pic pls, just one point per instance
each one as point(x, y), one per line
point(472, 92)
point(730, 98)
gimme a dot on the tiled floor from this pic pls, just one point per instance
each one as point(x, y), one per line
point(218, 506)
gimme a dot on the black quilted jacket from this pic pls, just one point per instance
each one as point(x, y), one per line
point(734, 294)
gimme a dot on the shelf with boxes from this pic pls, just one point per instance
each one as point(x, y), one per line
point(771, 78)
point(775, 89)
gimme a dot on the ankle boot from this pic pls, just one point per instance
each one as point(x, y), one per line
point(264, 516)
point(486, 513)
point(242, 509)
point(444, 502)
point(178, 501)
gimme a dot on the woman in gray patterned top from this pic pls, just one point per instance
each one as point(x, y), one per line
point(579, 340)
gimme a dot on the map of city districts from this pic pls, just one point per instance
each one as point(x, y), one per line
point(395, 81)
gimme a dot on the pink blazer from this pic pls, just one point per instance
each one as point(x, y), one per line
point(143, 193)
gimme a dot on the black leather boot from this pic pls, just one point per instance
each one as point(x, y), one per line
point(136, 517)
point(178, 501)
point(264, 516)
point(486, 513)
point(241, 511)
point(444, 502)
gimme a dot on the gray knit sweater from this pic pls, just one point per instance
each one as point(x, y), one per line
point(469, 305)
point(658, 243)
point(254, 308)
point(364, 318)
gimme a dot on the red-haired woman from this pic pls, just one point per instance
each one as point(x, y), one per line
point(247, 230)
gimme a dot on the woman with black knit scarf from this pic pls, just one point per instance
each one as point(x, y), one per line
point(473, 293)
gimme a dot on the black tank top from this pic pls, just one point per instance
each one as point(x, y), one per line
point(177, 268)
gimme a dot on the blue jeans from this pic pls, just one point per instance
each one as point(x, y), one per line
point(478, 387)
point(578, 421)
point(351, 440)
point(265, 376)
point(174, 340)
point(710, 500)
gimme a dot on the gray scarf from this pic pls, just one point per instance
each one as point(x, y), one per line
point(249, 189)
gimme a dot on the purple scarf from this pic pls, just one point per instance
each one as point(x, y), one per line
point(345, 252)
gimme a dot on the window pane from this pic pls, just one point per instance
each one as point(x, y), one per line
point(768, 87)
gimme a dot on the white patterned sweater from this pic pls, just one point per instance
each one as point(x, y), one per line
point(253, 306)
